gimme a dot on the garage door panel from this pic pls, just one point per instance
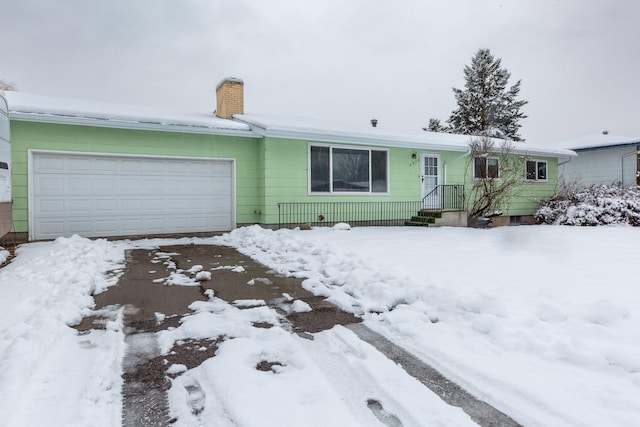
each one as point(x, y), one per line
point(79, 226)
point(199, 168)
point(155, 185)
point(132, 226)
point(218, 186)
point(104, 185)
point(105, 165)
point(51, 227)
point(180, 184)
point(55, 163)
point(153, 167)
point(109, 195)
point(79, 206)
point(51, 207)
point(131, 184)
point(48, 183)
point(176, 169)
point(111, 206)
point(76, 185)
point(106, 226)
point(79, 165)
point(126, 166)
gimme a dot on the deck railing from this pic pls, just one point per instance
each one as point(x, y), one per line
point(372, 214)
point(380, 214)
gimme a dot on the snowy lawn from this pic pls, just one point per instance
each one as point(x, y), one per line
point(543, 322)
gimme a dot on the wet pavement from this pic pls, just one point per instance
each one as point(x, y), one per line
point(153, 300)
point(152, 303)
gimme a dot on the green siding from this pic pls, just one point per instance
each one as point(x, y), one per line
point(286, 175)
point(268, 170)
point(532, 193)
point(528, 195)
point(42, 136)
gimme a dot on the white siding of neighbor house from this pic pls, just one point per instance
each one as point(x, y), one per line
point(607, 166)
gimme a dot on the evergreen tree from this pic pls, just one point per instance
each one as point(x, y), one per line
point(485, 105)
point(436, 126)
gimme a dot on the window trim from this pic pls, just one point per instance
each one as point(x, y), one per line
point(486, 171)
point(331, 192)
point(536, 179)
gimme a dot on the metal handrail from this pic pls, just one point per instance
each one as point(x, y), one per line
point(445, 197)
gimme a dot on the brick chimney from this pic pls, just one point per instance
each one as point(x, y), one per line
point(229, 97)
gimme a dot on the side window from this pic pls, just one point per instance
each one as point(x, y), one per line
point(493, 167)
point(542, 171)
point(536, 170)
point(320, 169)
point(486, 167)
point(479, 167)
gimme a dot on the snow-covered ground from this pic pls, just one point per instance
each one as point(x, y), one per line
point(542, 322)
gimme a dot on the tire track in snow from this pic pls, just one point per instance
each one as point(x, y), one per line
point(479, 411)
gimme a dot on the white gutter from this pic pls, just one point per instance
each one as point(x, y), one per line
point(565, 162)
point(124, 124)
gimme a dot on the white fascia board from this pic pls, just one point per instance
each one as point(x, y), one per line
point(385, 142)
point(353, 139)
point(122, 124)
point(607, 147)
point(542, 152)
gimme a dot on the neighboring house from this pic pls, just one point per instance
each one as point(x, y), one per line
point(104, 170)
point(602, 159)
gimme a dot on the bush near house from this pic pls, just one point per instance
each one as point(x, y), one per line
point(591, 206)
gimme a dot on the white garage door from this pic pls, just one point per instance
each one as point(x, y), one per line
point(105, 195)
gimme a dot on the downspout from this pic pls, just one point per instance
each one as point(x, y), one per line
point(622, 165)
point(444, 166)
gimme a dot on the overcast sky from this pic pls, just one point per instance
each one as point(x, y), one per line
point(341, 60)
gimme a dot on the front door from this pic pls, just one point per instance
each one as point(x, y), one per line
point(430, 178)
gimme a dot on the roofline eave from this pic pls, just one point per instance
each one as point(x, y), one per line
point(124, 124)
point(384, 142)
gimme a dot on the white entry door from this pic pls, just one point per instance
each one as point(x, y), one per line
point(100, 195)
point(430, 178)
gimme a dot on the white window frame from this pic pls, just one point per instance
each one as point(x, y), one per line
point(346, 193)
point(486, 169)
point(536, 179)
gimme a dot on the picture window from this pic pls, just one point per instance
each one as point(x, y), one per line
point(347, 170)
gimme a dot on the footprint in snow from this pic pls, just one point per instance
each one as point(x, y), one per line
point(195, 398)
point(385, 418)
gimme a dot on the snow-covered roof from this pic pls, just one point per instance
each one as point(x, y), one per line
point(39, 108)
point(600, 140)
point(324, 131)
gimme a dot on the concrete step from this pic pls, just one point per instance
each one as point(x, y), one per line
point(430, 214)
point(417, 223)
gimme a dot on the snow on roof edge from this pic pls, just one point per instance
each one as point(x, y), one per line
point(598, 140)
point(301, 128)
point(30, 107)
point(24, 106)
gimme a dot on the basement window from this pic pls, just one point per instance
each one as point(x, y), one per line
point(536, 170)
point(347, 170)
